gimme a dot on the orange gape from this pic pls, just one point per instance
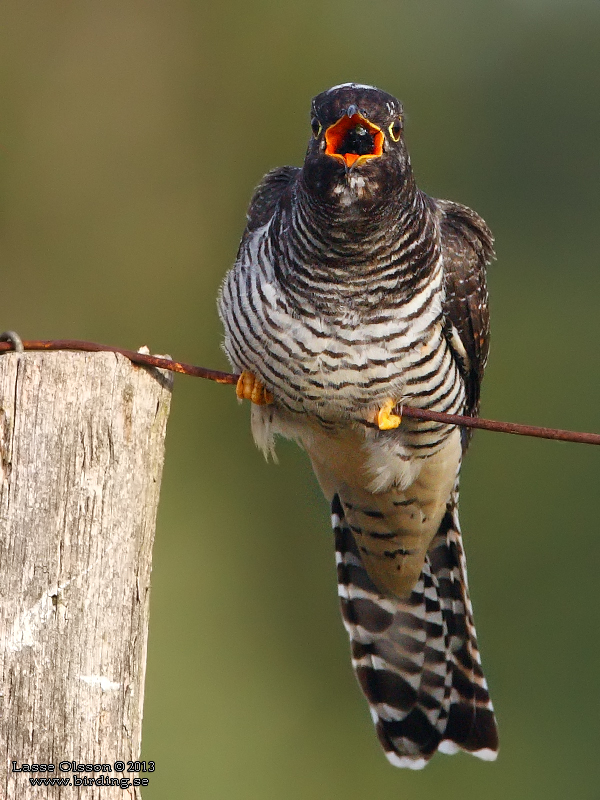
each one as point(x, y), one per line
point(336, 134)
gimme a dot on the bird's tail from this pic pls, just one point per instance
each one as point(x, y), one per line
point(417, 660)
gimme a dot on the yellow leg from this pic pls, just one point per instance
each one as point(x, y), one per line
point(386, 421)
point(250, 388)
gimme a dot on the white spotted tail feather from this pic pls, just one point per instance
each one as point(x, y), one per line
point(417, 660)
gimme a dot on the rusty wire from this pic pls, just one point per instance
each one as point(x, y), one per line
point(229, 378)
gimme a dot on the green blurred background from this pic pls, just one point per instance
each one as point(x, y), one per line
point(131, 136)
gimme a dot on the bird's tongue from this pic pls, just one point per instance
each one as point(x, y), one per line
point(352, 138)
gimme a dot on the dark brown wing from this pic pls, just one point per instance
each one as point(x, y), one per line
point(267, 194)
point(467, 245)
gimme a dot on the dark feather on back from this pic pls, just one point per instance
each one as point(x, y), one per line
point(467, 244)
point(267, 194)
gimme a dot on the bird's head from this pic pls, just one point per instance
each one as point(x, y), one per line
point(356, 151)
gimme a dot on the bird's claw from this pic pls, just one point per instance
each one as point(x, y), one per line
point(250, 388)
point(386, 421)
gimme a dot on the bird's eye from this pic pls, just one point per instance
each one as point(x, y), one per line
point(316, 127)
point(395, 130)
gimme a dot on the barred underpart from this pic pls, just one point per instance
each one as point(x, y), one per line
point(342, 331)
point(353, 291)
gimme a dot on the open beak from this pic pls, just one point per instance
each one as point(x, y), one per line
point(353, 139)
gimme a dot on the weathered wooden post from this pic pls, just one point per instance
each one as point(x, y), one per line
point(81, 455)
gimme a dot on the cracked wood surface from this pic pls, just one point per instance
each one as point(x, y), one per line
point(81, 456)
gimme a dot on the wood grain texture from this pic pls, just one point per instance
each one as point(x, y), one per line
point(81, 456)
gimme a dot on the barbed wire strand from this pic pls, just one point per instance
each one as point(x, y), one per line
point(229, 378)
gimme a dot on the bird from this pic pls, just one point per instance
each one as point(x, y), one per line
point(354, 292)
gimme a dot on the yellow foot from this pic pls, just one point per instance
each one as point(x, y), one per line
point(250, 388)
point(385, 420)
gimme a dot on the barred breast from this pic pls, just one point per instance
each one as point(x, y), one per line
point(337, 366)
